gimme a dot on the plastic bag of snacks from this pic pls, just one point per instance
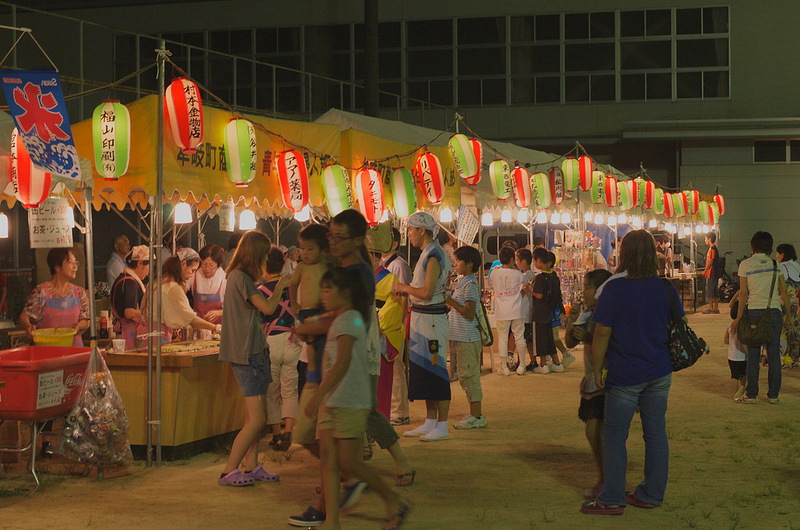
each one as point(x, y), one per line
point(96, 432)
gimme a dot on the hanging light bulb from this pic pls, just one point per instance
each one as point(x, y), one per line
point(698, 229)
point(505, 217)
point(183, 213)
point(588, 217)
point(687, 231)
point(636, 222)
point(3, 226)
point(598, 219)
point(487, 219)
point(612, 220)
point(672, 229)
point(653, 223)
point(622, 219)
point(555, 218)
point(247, 220)
point(446, 215)
point(303, 214)
point(566, 218)
point(522, 217)
point(541, 217)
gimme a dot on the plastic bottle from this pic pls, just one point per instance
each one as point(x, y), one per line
point(103, 331)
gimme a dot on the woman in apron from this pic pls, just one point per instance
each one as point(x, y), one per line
point(126, 297)
point(208, 285)
point(57, 303)
point(428, 377)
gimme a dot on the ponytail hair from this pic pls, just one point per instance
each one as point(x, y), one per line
point(350, 280)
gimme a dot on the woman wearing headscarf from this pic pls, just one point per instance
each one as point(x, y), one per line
point(428, 376)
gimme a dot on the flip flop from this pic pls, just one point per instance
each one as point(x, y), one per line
point(406, 479)
point(236, 478)
point(399, 518)
point(596, 508)
point(630, 498)
point(259, 473)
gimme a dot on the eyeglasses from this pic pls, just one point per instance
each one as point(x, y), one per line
point(74, 262)
point(336, 238)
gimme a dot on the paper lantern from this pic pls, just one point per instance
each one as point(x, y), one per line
point(369, 192)
point(703, 211)
point(338, 189)
point(611, 191)
point(293, 178)
point(185, 113)
point(477, 150)
point(658, 200)
point(669, 205)
point(403, 193)
point(540, 184)
point(719, 200)
point(713, 213)
point(521, 186)
point(626, 194)
point(111, 132)
point(680, 204)
point(585, 165)
point(241, 155)
point(693, 201)
point(641, 191)
point(463, 155)
point(556, 185)
point(500, 177)
point(429, 172)
point(649, 194)
point(598, 187)
point(31, 185)
point(572, 173)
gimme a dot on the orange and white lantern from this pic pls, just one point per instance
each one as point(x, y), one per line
point(31, 185)
point(585, 165)
point(521, 186)
point(293, 179)
point(431, 178)
point(611, 191)
point(369, 193)
point(185, 113)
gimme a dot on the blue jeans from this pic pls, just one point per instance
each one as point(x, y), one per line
point(773, 356)
point(621, 403)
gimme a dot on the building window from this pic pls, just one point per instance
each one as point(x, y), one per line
point(769, 151)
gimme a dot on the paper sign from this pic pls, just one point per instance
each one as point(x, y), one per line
point(51, 389)
point(226, 217)
point(468, 225)
point(49, 224)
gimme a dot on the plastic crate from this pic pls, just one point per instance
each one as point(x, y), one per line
point(40, 382)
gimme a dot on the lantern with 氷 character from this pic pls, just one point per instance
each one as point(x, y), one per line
point(477, 150)
point(521, 186)
point(500, 177)
point(585, 166)
point(431, 178)
point(598, 187)
point(31, 185)
point(719, 200)
point(403, 193)
point(692, 200)
point(369, 193)
point(293, 179)
point(540, 184)
point(241, 154)
point(185, 112)
point(556, 185)
point(338, 189)
point(111, 133)
point(570, 167)
point(611, 192)
point(463, 156)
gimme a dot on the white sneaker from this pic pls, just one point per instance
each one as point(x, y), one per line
point(557, 368)
point(419, 431)
point(568, 358)
point(521, 369)
point(434, 436)
point(503, 370)
point(541, 370)
point(471, 422)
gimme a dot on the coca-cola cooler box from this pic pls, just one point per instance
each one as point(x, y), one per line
point(40, 382)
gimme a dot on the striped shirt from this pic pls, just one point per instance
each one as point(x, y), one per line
point(461, 329)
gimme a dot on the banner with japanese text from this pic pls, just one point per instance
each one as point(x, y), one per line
point(50, 224)
point(36, 103)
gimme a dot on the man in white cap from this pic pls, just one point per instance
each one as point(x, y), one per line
point(115, 265)
point(126, 296)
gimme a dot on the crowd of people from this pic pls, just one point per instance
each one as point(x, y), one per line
point(316, 337)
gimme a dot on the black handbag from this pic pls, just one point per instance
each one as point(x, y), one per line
point(685, 347)
point(757, 332)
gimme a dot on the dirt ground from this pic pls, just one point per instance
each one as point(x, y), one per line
point(731, 466)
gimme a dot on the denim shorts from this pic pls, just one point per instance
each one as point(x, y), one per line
point(712, 287)
point(254, 377)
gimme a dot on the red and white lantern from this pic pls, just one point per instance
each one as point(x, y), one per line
point(185, 112)
point(557, 185)
point(611, 191)
point(649, 194)
point(369, 192)
point(669, 205)
point(293, 178)
point(31, 185)
point(693, 200)
point(681, 203)
point(585, 165)
point(719, 200)
point(429, 173)
point(477, 150)
point(521, 186)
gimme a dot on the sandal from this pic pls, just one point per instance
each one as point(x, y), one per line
point(630, 498)
point(597, 508)
point(236, 478)
point(283, 442)
point(399, 518)
point(259, 473)
point(406, 479)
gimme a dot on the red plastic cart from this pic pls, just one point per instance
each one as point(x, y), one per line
point(38, 384)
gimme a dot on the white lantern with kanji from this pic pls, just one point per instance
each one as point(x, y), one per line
point(521, 186)
point(338, 189)
point(369, 193)
point(111, 133)
point(185, 113)
point(241, 155)
point(293, 179)
point(429, 172)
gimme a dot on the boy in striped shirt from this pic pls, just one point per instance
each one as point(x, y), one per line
point(465, 338)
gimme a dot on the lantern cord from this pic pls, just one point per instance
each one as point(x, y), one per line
point(110, 85)
point(26, 31)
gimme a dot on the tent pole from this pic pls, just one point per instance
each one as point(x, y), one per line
point(87, 214)
point(154, 251)
point(159, 232)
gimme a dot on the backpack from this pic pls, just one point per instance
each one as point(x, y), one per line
point(482, 319)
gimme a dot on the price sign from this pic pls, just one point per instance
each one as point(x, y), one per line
point(50, 224)
point(468, 225)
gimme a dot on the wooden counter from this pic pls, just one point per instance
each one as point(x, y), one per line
point(200, 397)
